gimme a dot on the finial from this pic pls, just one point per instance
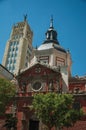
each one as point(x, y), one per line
point(36, 46)
point(25, 17)
point(51, 22)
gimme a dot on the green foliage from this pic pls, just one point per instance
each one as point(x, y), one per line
point(7, 91)
point(11, 122)
point(55, 109)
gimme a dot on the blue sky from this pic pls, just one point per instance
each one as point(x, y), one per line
point(69, 21)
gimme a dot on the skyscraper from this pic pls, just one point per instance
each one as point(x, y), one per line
point(19, 47)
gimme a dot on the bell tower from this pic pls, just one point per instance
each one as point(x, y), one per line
point(19, 47)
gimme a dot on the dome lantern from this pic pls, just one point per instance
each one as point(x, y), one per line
point(51, 34)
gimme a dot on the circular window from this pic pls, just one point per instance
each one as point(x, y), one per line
point(36, 86)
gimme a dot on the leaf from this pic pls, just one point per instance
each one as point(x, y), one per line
point(55, 109)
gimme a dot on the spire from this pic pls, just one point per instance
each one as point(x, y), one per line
point(25, 17)
point(51, 34)
point(36, 47)
point(51, 22)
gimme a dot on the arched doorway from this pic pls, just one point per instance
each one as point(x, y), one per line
point(33, 124)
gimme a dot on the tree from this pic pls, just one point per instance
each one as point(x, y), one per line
point(55, 110)
point(10, 122)
point(7, 91)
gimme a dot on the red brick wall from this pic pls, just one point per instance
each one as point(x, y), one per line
point(2, 122)
point(80, 125)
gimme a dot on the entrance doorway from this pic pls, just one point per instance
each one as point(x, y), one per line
point(33, 125)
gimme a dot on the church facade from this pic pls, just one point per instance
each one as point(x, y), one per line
point(39, 70)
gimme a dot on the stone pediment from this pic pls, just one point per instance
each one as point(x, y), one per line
point(39, 67)
point(39, 77)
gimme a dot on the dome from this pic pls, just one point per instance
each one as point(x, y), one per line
point(51, 40)
point(48, 46)
point(45, 46)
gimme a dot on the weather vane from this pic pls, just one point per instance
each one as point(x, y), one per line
point(25, 17)
point(51, 21)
